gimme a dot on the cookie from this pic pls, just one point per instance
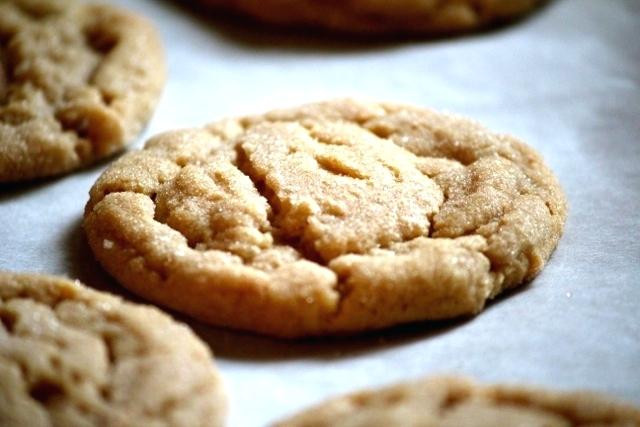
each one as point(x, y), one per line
point(333, 217)
point(450, 401)
point(431, 17)
point(72, 356)
point(77, 82)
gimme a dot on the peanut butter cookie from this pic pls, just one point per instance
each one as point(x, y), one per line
point(77, 82)
point(431, 17)
point(72, 356)
point(333, 217)
point(462, 403)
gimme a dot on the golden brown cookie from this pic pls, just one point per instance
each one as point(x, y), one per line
point(333, 217)
point(459, 402)
point(431, 17)
point(77, 82)
point(72, 356)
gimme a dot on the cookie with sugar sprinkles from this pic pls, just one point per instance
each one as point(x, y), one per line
point(334, 217)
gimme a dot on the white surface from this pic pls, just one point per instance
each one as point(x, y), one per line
point(567, 81)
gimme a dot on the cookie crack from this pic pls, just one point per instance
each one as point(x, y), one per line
point(454, 398)
point(522, 190)
point(497, 397)
point(111, 241)
point(243, 164)
point(387, 133)
point(5, 72)
point(333, 164)
point(88, 135)
point(102, 44)
point(474, 231)
point(42, 390)
point(8, 320)
point(307, 249)
point(45, 391)
point(335, 167)
point(506, 398)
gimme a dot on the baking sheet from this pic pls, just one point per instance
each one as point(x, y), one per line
point(566, 80)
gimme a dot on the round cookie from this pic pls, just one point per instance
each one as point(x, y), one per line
point(430, 17)
point(333, 217)
point(72, 356)
point(77, 82)
point(450, 401)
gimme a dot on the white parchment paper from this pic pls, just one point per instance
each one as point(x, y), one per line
point(566, 80)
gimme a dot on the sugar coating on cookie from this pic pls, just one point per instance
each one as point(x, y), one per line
point(453, 401)
point(339, 216)
point(435, 17)
point(72, 356)
point(77, 82)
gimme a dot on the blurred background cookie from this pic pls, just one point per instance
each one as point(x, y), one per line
point(451, 401)
point(72, 356)
point(427, 17)
point(77, 82)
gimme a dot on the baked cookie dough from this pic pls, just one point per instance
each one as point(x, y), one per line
point(332, 217)
point(77, 82)
point(72, 356)
point(462, 403)
point(431, 17)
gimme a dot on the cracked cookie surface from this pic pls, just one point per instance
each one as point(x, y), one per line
point(77, 82)
point(434, 17)
point(72, 356)
point(451, 401)
point(332, 217)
